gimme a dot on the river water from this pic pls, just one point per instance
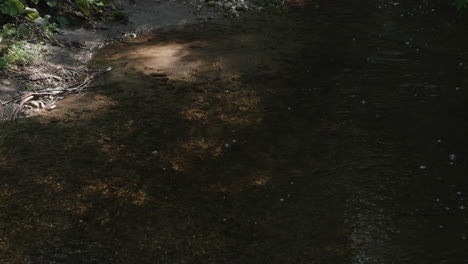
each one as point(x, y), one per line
point(324, 132)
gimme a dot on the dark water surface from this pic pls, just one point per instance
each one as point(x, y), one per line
point(328, 132)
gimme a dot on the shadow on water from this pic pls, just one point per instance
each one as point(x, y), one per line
point(278, 138)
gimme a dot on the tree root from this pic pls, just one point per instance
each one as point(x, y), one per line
point(44, 97)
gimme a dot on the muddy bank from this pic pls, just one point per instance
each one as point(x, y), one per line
point(61, 66)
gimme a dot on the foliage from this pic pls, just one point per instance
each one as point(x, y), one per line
point(461, 5)
point(88, 6)
point(12, 7)
point(17, 53)
point(37, 21)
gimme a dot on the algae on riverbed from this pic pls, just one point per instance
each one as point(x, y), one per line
point(279, 138)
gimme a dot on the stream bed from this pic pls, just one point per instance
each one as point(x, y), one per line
point(322, 132)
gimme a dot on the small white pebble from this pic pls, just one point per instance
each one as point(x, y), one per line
point(439, 141)
point(291, 183)
point(234, 141)
point(459, 193)
point(281, 199)
point(155, 152)
point(461, 207)
point(423, 167)
point(441, 226)
point(437, 200)
point(363, 102)
point(226, 91)
point(446, 208)
point(227, 145)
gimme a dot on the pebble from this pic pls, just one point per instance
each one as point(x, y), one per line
point(6, 82)
point(423, 167)
point(452, 157)
point(155, 152)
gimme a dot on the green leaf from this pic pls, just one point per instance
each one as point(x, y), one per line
point(43, 21)
point(9, 30)
point(31, 13)
point(63, 21)
point(12, 7)
point(51, 3)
